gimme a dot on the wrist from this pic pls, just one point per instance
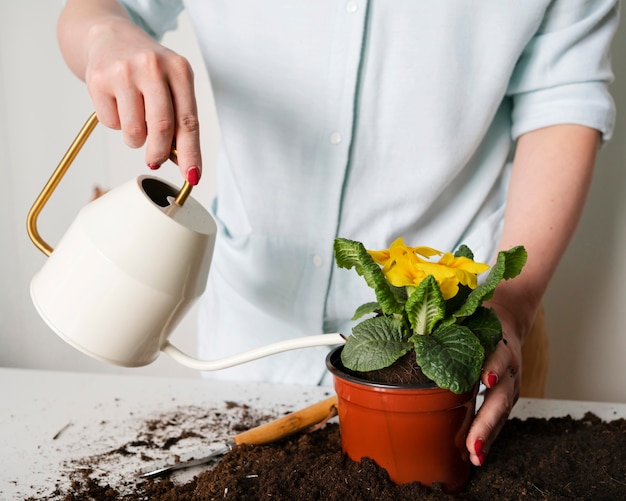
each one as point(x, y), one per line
point(108, 27)
point(516, 318)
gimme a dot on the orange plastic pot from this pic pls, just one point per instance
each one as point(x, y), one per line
point(417, 434)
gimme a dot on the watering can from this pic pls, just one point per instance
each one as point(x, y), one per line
point(129, 268)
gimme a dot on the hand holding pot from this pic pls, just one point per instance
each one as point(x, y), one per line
point(502, 377)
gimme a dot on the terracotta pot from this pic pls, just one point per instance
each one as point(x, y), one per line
point(415, 433)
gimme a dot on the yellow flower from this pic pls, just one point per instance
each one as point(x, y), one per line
point(405, 266)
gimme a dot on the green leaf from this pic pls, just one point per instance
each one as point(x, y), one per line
point(484, 323)
point(366, 309)
point(464, 251)
point(508, 265)
point(451, 356)
point(425, 306)
point(375, 343)
point(515, 259)
point(351, 254)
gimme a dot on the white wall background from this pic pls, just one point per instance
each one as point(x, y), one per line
point(42, 106)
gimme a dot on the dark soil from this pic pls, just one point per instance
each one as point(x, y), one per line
point(535, 459)
point(403, 371)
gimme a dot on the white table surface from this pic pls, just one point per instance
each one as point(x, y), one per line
point(51, 420)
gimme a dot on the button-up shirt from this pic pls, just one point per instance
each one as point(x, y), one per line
point(369, 120)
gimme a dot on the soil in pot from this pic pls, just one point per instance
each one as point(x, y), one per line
point(403, 372)
point(536, 459)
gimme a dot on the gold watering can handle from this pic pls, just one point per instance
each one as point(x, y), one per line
point(59, 172)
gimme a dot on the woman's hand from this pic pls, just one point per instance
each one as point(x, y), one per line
point(502, 377)
point(137, 85)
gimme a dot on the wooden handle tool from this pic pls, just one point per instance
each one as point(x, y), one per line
point(288, 424)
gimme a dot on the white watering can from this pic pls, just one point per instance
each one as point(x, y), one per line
point(129, 268)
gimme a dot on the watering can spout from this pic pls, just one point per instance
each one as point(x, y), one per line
point(254, 354)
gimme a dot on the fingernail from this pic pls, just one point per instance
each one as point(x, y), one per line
point(154, 166)
point(492, 379)
point(479, 445)
point(479, 450)
point(193, 176)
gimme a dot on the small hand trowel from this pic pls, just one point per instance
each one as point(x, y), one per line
point(264, 434)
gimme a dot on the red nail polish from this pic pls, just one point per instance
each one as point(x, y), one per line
point(479, 445)
point(153, 166)
point(193, 176)
point(492, 379)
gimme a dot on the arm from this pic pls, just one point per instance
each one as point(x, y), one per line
point(551, 176)
point(136, 84)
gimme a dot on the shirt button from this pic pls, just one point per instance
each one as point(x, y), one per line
point(351, 7)
point(317, 260)
point(335, 138)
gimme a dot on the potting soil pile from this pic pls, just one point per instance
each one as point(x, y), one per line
point(552, 459)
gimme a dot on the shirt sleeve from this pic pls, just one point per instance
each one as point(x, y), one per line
point(564, 71)
point(155, 17)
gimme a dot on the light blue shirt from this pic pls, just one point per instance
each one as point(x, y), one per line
point(369, 120)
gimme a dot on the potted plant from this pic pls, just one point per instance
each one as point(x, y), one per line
point(427, 321)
